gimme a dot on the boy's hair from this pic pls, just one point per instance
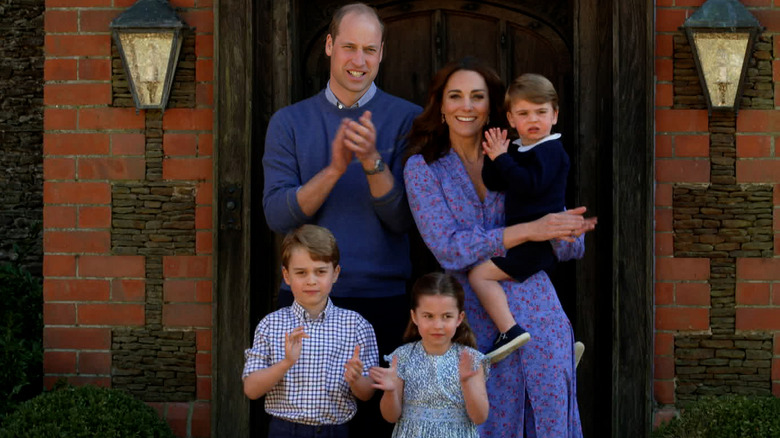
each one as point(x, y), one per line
point(358, 8)
point(438, 283)
point(318, 241)
point(533, 88)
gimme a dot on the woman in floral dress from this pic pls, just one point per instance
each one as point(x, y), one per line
point(533, 391)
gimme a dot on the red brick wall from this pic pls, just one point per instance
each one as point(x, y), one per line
point(682, 285)
point(88, 145)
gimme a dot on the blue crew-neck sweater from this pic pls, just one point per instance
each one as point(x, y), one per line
point(371, 232)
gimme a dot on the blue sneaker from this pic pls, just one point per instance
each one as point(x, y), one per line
point(508, 342)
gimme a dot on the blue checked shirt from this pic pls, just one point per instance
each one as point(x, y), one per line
point(313, 391)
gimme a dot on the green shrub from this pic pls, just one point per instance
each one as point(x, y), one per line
point(21, 331)
point(85, 412)
point(725, 417)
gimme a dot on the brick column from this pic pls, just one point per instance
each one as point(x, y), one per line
point(127, 216)
point(716, 223)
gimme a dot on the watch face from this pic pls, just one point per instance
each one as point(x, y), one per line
point(379, 166)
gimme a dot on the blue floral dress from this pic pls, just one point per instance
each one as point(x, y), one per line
point(532, 392)
point(433, 405)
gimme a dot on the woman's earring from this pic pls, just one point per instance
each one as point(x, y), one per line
point(488, 120)
point(443, 121)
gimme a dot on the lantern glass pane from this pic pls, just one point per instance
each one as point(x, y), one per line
point(721, 56)
point(147, 56)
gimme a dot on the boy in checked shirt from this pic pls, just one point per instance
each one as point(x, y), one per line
point(311, 359)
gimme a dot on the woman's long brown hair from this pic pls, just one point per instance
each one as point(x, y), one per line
point(438, 283)
point(429, 136)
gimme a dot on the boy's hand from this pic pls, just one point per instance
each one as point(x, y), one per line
point(495, 142)
point(386, 379)
point(293, 343)
point(354, 367)
point(464, 367)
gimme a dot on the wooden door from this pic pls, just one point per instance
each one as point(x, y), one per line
point(422, 36)
point(598, 53)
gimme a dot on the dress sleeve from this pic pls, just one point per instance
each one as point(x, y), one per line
point(282, 178)
point(569, 250)
point(456, 244)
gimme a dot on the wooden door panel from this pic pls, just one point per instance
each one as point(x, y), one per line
point(532, 54)
point(472, 35)
point(407, 66)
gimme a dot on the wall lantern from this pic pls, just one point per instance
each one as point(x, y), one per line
point(148, 35)
point(721, 34)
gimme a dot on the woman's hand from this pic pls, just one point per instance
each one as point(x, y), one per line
point(567, 225)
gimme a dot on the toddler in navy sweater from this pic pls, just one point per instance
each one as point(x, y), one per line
point(533, 174)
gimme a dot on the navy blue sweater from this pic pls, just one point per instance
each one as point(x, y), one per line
point(371, 232)
point(534, 181)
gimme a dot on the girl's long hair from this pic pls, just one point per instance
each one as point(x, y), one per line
point(429, 136)
point(438, 283)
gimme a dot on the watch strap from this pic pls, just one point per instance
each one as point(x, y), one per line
point(379, 166)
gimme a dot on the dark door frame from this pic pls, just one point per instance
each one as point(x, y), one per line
point(614, 94)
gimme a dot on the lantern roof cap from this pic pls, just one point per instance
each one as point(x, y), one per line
point(722, 14)
point(148, 14)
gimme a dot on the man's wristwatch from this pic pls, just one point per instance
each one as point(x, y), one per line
point(379, 166)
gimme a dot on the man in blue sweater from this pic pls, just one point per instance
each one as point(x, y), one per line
point(336, 160)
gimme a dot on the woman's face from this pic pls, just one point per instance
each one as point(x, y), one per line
point(465, 105)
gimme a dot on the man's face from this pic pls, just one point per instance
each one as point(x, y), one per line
point(355, 55)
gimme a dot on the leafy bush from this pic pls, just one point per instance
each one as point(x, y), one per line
point(85, 412)
point(725, 417)
point(21, 331)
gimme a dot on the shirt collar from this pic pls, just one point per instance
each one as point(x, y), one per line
point(367, 96)
point(523, 148)
point(303, 316)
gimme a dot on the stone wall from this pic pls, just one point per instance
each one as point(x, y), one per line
point(723, 364)
point(21, 126)
point(722, 221)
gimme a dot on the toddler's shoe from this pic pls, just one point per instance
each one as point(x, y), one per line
point(508, 342)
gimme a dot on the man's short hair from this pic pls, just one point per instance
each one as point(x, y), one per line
point(358, 8)
point(318, 241)
point(533, 88)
